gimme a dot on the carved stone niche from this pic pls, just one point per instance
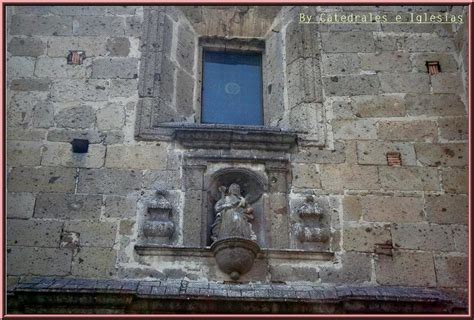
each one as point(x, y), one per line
point(252, 186)
point(263, 181)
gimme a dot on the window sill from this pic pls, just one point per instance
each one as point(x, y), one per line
point(222, 136)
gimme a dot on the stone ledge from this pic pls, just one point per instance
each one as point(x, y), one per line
point(38, 295)
point(155, 250)
point(221, 136)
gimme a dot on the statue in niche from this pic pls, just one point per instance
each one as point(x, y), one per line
point(233, 215)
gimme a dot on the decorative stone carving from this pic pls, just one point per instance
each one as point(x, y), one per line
point(158, 228)
point(310, 209)
point(311, 230)
point(233, 215)
point(234, 241)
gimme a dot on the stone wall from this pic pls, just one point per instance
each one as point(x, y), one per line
point(354, 93)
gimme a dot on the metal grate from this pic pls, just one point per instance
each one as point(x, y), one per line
point(394, 159)
point(433, 67)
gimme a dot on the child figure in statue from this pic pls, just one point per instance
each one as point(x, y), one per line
point(233, 215)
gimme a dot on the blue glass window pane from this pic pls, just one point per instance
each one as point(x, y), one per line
point(232, 88)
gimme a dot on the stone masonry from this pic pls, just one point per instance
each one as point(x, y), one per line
point(351, 94)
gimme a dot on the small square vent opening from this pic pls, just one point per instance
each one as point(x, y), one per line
point(433, 67)
point(394, 159)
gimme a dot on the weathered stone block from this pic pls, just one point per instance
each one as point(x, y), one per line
point(455, 180)
point(120, 207)
point(118, 47)
point(415, 130)
point(392, 209)
point(461, 238)
point(369, 107)
point(39, 233)
point(305, 117)
point(303, 81)
point(44, 179)
point(31, 47)
point(20, 67)
point(316, 155)
point(110, 68)
point(30, 134)
point(301, 42)
point(354, 129)
point(93, 233)
point(184, 94)
point(58, 47)
point(453, 128)
point(385, 61)
point(355, 267)
point(109, 181)
point(26, 109)
point(306, 176)
point(162, 180)
point(133, 26)
point(446, 154)
point(447, 62)
point(351, 85)
point(365, 237)
point(30, 84)
point(347, 42)
point(406, 269)
point(185, 48)
point(80, 90)
point(192, 218)
point(94, 263)
point(388, 41)
point(29, 25)
point(38, 261)
point(76, 117)
point(123, 87)
point(428, 43)
point(61, 154)
point(68, 206)
point(23, 153)
point(447, 83)
point(105, 26)
point(447, 209)
point(79, 10)
point(451, 271)
point(126, 227)
point(20, 205)
point(339, 177)
point(67, 135)
point(59, 68)
point(352, 208)
point(434, 105)
point(405, 82)
point(282, 273)
point(277, 216)
point(340, 63)
point(111, 116)
point(409, 178)
point(423, 236)
point(375, 152)
point(150, 156)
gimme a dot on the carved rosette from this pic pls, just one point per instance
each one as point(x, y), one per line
point(158, 227)
point(311, 229)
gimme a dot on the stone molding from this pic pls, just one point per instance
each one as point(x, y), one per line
point(53, 295)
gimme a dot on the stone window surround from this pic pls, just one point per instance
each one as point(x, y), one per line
point(148, 129)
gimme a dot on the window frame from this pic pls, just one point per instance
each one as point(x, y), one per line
point(233, 45)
